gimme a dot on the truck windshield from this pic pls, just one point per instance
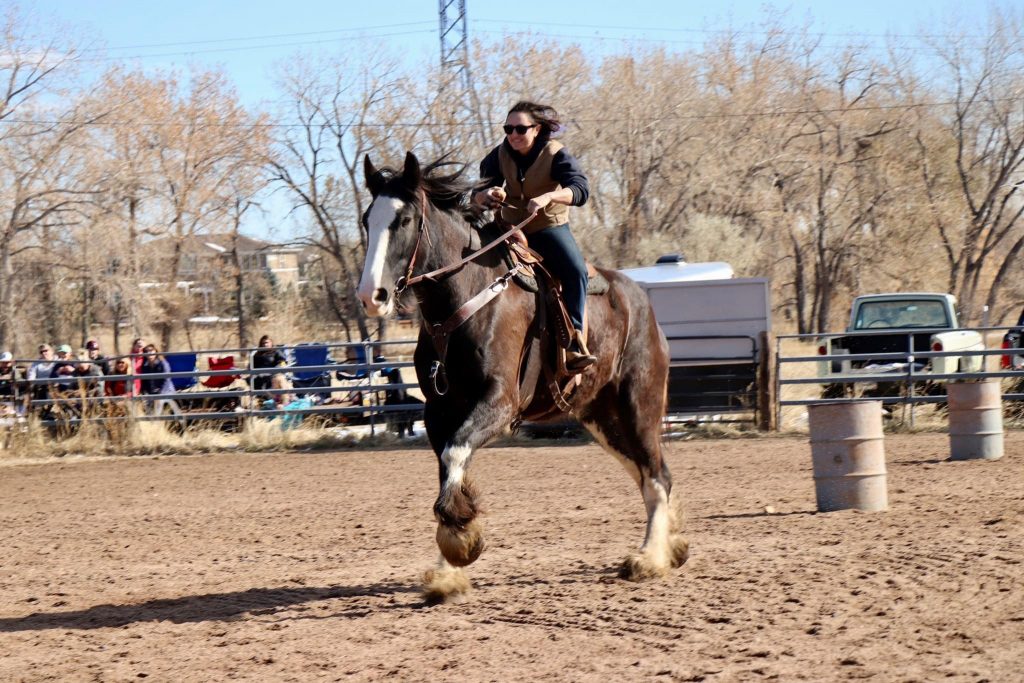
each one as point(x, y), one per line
point(881, 315)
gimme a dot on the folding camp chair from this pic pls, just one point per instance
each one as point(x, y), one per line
point(220, 381)
point(182, 362)
point(311, 355)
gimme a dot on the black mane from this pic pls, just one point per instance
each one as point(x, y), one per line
point(446, 191)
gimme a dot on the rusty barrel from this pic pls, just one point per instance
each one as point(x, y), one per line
point(848, 456)
point(975, 420)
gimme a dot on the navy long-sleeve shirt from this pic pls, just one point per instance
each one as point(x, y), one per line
point(565, 169)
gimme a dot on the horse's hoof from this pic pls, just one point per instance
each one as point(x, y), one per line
point(638, 567)
point(461, 547)
point(445, 585)
point(679, 549)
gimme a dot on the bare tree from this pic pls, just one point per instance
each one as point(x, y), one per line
point(339, 112)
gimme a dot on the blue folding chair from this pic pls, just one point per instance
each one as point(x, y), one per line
point(311, 355)
point(356, 356)
point(182, 362)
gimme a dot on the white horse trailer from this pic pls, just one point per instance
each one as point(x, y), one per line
point(717, 327)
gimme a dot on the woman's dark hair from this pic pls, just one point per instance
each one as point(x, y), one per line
point(546, 116)
point(264, 338)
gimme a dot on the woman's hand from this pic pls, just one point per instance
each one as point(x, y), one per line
point(491, 198)
point(538, 203)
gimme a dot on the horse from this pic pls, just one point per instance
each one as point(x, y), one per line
point(419, 219)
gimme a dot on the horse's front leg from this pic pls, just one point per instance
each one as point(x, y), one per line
point(459, 532)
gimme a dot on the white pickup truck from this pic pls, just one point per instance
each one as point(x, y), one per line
point(901, 315)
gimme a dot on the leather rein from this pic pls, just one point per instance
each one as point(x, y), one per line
point(441, 332)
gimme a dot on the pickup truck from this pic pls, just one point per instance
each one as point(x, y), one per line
point(1013, 342)
point(900, 315)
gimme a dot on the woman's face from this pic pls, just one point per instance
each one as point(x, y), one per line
point(522, 142)
point(137, 345)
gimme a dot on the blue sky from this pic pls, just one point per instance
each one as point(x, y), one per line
point(248, 38)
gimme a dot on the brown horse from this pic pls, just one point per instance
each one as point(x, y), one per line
point(419, 220)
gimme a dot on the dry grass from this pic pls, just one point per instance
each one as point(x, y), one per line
point(31, 440)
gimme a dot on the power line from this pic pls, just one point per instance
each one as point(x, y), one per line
point(255, 47)
point(723, 31)
point(652, 119)
point(665, 41)
point(262, 37)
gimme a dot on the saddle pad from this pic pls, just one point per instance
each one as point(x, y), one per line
point(597, 284)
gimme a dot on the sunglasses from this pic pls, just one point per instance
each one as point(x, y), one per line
point(521, 129)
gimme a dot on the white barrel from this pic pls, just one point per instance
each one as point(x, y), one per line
point(975, 420)
point(848, 456)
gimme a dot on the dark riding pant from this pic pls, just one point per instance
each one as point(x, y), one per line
point(563, 259)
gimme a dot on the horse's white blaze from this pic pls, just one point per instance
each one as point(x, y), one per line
point(382, 215)
point(629, 465)
point(455, 459)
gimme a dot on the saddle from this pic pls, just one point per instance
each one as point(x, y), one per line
point(549, 336)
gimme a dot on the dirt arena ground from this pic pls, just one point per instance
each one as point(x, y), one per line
point(294, 567)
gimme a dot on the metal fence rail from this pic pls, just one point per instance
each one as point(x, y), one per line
point(905, 379)
point(348, 391)
point(347, 387)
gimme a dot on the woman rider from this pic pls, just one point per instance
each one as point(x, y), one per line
point(540, 176)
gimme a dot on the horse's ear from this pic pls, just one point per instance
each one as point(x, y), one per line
point(373, 178)
point(411, 174)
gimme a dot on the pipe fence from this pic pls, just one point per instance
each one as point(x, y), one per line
point(361, 389)
point(895, 377)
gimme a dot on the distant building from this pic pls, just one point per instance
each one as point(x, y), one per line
point(206, 260)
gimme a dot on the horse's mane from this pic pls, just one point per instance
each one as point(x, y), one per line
point(448, 191)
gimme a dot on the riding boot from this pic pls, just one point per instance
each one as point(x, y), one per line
point(577, 357)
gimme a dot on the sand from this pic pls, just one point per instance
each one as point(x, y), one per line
point(306, 566)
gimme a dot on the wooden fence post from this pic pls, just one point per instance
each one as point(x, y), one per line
point(766, 398)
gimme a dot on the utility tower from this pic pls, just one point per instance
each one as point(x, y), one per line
point(455, 59)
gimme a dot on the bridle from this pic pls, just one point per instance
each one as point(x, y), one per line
point(407, 280)
point(440, 332)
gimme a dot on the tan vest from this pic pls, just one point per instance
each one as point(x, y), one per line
point(537, 181)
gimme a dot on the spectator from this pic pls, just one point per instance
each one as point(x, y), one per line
point(92, 350)
point(63, 370)
point(89, 375)
point(155, 363)
point(266, 357)
point(40, 369)
point(8, 385)
point(138, 345)
point(119, 387)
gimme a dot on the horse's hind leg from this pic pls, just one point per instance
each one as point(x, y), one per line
point(631, 432)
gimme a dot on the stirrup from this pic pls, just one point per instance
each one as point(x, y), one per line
point(578, 361)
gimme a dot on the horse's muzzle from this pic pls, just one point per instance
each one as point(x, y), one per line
point(377, 303)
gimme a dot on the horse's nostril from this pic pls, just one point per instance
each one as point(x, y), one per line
point(380, 295)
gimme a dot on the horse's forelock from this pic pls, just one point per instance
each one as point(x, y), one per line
point(445, 190)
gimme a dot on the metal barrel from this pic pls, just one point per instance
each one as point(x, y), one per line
point(975, 420)
point(848, 456)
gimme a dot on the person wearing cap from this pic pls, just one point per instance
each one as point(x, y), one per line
point(8, 385)
point(64, 370)
point(92, 351)
point(40, 369)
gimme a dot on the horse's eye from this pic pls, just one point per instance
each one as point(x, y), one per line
point(406, 221)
